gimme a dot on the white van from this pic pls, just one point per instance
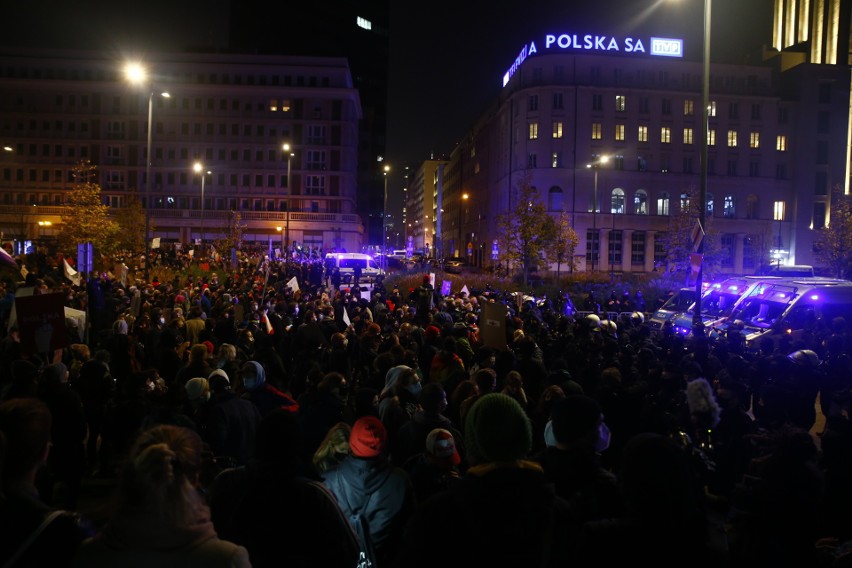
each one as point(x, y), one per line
point(717, 303)
point(346, 262)
point(789, 306)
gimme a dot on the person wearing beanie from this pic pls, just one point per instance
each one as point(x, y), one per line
point(574, 437)
point(503, 512)
point(375, 495)
point(411, 436)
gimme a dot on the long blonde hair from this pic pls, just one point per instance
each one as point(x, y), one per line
point(333, 448)
point(161, 473)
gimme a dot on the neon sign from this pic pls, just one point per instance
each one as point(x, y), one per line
point(658, 46)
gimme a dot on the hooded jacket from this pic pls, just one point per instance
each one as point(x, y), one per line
point(265, 396)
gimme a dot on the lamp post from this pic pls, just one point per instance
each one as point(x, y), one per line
point(595, 166)
point(702, 191)
point(286, 148)
point(463, 199)
point(778, 215)
point(198, 167)
point(138, 75)
point(384, 220)
point(280, 229)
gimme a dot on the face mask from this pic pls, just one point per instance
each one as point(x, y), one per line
point(549, 438)
point(603, 438)
point(414, 388)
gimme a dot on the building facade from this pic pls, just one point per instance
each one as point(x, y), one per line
point(230, 113)
point(778, 144)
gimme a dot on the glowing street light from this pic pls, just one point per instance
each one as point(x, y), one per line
point(138, 75)
point(198, 168)
point(595, 166)
point(289, 154)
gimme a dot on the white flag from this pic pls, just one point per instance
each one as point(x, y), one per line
point(293, 284)
point(71, 274)
point(465, 291)
point(155, 243)
point(346, 319)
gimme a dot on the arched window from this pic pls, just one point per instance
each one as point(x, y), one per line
point(663, 204)
point(617, 201)
point(640, 202)
point(684, 201)
point(554, 199)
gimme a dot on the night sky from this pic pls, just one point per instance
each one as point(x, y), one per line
point(447, 57)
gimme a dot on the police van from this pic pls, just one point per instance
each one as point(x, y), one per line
point(347, 262)
point(789, 306)
point(717, 302)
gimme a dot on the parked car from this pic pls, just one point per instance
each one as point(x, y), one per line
point(454, 265)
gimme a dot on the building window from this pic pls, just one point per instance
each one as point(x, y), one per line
point(316, 134)
point(711, 111)
point(688, 107)
point(593, 246)
point(666, 135)
point(755, 111)
point(754, 140)
point(637, 248)
point(726, 250)
point(666, 106)
point(780, 171)
point(557, 129)
point(532, 103)
point(782, 115)
point(733, 110)
point(641, 164)
point(821, 183)
point(532, 161)
point(597, 102)
point(556, 160)
point(822, 152)
point(619, 132)
point(315, 160)
point(732, 167)
point(615, 247)
point(314, 185)
point(711, 137)
point(687, 136)
point(754, 168)
point(597, 131)
point(732, 138)
point(663, 204)
point(661, 252)
point(618, 162)
point(558, 104)
point(687, 165)
point(643, 134)
point(640, 202)
point(644, 106)
point(533, 131)
point(728, 208)
point(819, 216)
point(617, 201)
point(620, 103)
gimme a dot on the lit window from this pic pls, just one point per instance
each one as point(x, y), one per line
point(620, 103)
point(663, 204)
point(688, 107)
point(754, 140)
point(711, 137)
point(619, 132)
point(732, 138)
point(643, 134)
point(781, 143)
point(640, 202)
point(711, 110)
point(533, 131)
point(597, 131)
point(557, 129)
point(666, 135)
point(728, 210)
point(556, 160)
point(687, 136)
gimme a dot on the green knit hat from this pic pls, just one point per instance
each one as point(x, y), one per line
point(497, 430)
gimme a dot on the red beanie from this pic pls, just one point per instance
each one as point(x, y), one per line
point(432, 332)
point(368, 438)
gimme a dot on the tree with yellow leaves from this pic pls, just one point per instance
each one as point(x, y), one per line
point(86, 218)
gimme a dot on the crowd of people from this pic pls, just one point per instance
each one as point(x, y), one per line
point(250, 421)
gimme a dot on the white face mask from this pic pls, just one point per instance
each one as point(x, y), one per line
point(603, 438)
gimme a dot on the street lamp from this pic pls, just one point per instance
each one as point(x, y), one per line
point(138, 75)
point(596, 166)
point(198, 167)
point(280, 229)
point(702, 192)
point(286, 148)
point(464, 198)
point(384, 220)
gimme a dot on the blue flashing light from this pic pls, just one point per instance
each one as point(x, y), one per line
point(815, 297)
